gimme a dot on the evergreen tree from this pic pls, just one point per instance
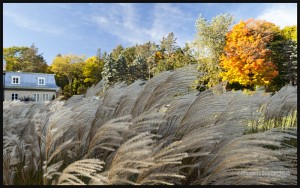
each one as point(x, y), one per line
point(168, 44)
point(138, 70)
point(121, 69)
point(109, 71)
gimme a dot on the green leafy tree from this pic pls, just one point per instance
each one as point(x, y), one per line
point(116, 52)
point(25, 59)
point(209, 43)
point(290, 33)
point(291, 62)
point(284, 55)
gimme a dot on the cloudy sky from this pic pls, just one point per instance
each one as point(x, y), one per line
point(82, 28)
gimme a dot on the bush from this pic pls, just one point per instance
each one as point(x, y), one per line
point(27, 99)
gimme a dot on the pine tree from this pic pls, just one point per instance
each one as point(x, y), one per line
point(109, 71)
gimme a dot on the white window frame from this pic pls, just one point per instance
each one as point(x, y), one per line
point(14, 81)
point(45, 97)
point(43, 82)
point(36, 97)
point(14, 96)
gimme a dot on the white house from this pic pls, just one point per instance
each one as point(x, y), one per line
point(39, 86)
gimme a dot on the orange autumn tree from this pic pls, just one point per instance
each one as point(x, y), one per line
point(246, 59)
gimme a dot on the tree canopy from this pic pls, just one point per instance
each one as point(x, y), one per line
point(209, 43)
point(246, 60)
point(25, 59)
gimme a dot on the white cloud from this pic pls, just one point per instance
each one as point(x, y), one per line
point(124, 21)
point(119, 20)
point(280, 14)
point(31, 24)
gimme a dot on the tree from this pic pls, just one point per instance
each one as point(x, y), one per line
point(168, 44)
point(209, 43)
point(147, 51)
point(115, 70)
point(24, 59)
point(70, 66)
point(92, 69)
point(129, 55)
point(290, 33)
point(138, 70)
point(109, 71)
point(116, 52)
point(104, 55)
point(189, 57)
point(122, 69)
point(284, 56)
point(99, 55)
point(246, 60)
point(181, 58)
point(290, 49)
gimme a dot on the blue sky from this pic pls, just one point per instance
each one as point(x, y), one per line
point(82, 28)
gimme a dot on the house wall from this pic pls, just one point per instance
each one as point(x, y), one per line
point(26, 93)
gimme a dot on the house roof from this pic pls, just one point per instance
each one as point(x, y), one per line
point(29, 80)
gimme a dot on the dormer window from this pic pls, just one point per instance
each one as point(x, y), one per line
point(41, 81)
point(15, 79)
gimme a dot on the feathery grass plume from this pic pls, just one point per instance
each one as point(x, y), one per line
point(77, 172)
point(94, 90)
point(147, 91)
point(131, 159)
point(73, 100)
point(163, 88)
point(265, 164)
point(174, 114)
point(55, 138)
point(242, 107)
point(8, 171)
point(279, 111)
point(108, 137)
point(202, 111)
point(218, 118)
point(82, 113)
point(146, 122)
point(18, 159)
point(176, 84)
point(132, 92)
point(164, 169)
point(154, 133)
point(111, 100)
point(14, 116)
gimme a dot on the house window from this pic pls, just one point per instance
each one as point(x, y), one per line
point(36, 97)
point(45, 97)
point(41, 81)
point(15, 79)
point(14, 96)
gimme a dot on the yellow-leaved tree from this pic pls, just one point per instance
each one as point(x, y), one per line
point(69, 66)
point(246, 59)
point(92, 69)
